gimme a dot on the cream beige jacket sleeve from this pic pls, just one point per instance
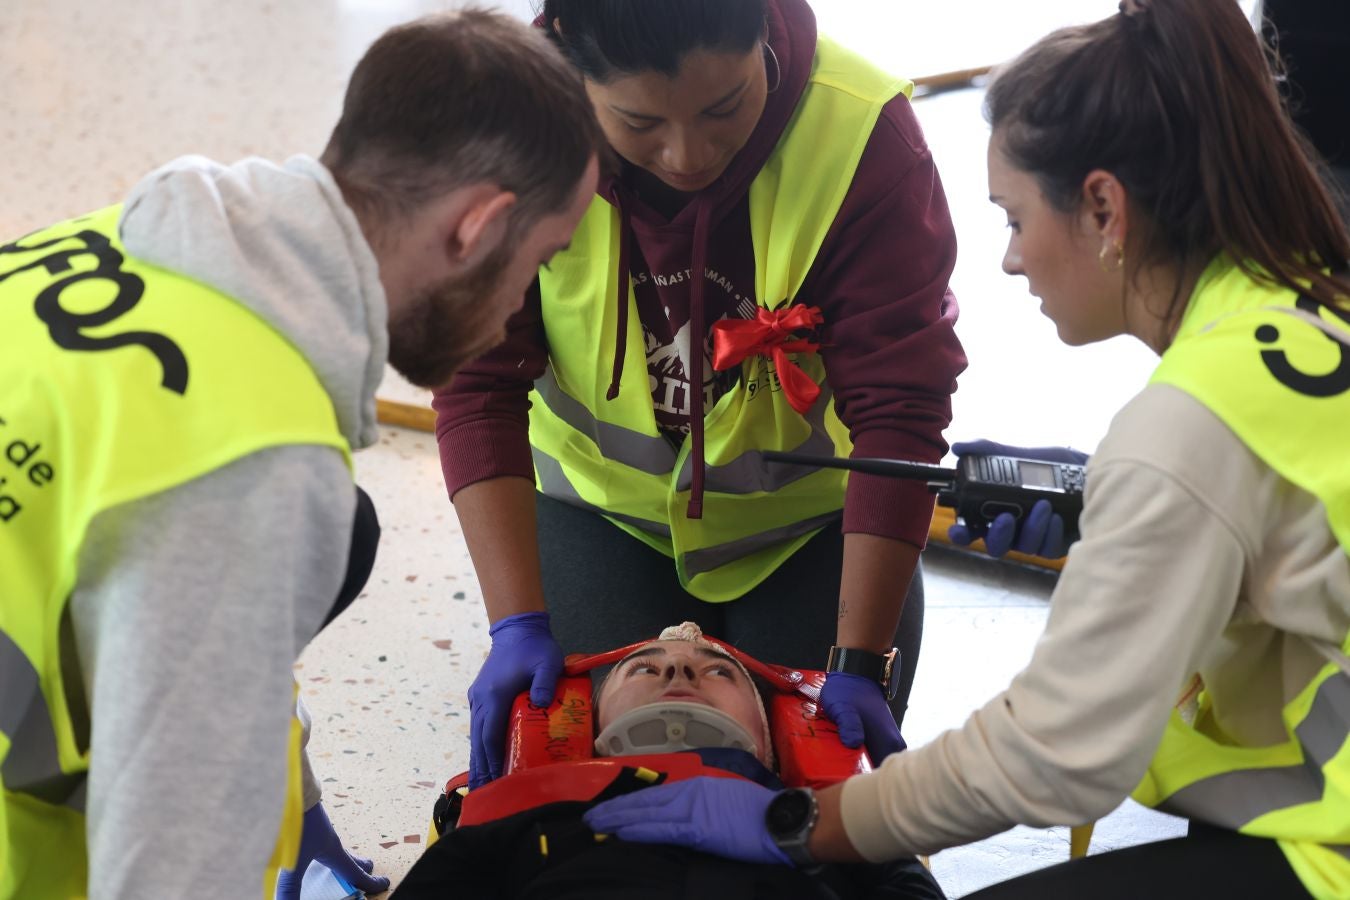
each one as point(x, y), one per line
point(1193, 552)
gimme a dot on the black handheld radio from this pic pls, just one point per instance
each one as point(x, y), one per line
point(981, 488)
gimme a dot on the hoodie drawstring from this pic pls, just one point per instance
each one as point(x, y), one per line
point(696, 338)
point(621, 337)
point(702, 225)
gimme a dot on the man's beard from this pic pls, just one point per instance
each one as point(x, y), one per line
point(450, 323)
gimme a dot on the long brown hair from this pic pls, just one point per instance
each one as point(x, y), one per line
point(1177, 99)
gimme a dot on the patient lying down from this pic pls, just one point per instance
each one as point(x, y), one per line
point(677, 693)
point(681, 692)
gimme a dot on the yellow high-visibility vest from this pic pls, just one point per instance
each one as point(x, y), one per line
point(1275, 368)
point(118, 380)
point(610, 456)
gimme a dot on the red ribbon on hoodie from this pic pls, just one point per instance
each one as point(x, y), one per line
point(769, 334)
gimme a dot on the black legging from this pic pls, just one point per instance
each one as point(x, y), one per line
point(1208, 862)
point(605, 589)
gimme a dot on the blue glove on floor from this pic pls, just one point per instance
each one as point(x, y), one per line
point(1042, 531)
point(318, 841)
point(523, 655)
point(858, 709)
point(722, 816)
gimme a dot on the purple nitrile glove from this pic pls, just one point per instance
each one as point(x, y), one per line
point(1042, 532)
point(523, 655)
point(858, 709)
point(318, 841)
point(721, 816)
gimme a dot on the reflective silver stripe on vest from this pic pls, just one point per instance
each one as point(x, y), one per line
point(749, 473)
point(553, 483)
point(696, 562)
point(32, 765)
point(652, 454)
point(1233, 799)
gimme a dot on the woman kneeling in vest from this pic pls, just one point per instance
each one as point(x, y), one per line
point(775, 234)
point(1196, 654)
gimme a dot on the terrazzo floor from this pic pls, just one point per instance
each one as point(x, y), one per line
point(98, 94)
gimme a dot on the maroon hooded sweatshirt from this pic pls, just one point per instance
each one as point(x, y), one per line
point(880, 279)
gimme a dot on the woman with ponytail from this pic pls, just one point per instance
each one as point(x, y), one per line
point(1197, 656)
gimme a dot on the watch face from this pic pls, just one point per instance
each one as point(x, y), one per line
point(788, 812)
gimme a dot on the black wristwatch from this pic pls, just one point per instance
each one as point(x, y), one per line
point(880, 667)
point(790, 817)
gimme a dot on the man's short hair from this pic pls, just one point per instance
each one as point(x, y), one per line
point(458, 99)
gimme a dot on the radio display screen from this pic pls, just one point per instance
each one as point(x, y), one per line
point(1037, 474)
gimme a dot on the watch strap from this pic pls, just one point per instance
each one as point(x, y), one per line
point(879, 667)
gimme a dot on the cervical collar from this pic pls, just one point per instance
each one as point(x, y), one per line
point(670, 728)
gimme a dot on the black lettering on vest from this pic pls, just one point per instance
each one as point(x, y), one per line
point(1332, 384)
point(23, 454)
point(9, 507)
point(20, 453)
point(67, 328)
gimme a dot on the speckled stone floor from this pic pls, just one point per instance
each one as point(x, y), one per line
point(98, 94)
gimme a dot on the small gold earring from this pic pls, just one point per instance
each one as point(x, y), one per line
point(1120, 257)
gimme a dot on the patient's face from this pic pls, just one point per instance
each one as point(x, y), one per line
point(682, 672)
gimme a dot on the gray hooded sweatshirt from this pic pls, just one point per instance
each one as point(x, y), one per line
point(192, 605)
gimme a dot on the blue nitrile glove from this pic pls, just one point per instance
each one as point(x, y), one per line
point(524, 655)
point(722, 816)
point(1042, 532)
point(318, 841)
point(858, 709)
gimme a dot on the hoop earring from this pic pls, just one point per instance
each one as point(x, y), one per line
point(777, 69)
point(1120, 257)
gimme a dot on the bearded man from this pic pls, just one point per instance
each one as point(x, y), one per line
point(183, 377)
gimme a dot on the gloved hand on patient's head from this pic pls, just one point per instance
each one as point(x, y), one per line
point(524, 655)
point(319, 842)
point(1041, 533)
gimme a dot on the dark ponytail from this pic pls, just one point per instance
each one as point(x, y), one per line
point(605, 38)
point(1176, 98)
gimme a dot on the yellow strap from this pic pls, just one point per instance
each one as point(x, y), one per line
point(287, 848)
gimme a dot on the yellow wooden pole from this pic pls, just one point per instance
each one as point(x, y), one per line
point(947, 80)
point(1080, 836)
point(405, 415)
